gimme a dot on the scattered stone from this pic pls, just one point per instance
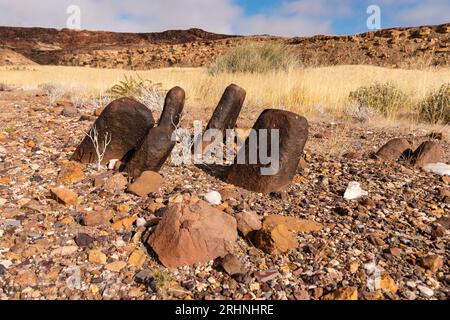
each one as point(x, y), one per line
point(263, 178)
point(65, 196)
point(232, 265)
point(70, 172)
point(116, 183)
point(147, 183)
point(354, 191)
point(214, 198)
point(433, 262)
point(353, 267)
point(137, 258)
point(302, 295)
point(266, 275)
point(116, 266)
point(126, 121)
point(84, 240)
point(192, 233)
point(144, 277)
point(427, 152)
point(26, 278)
point(345, 293)
point(247, 222)
point(425, 291)
point(438, 168)
point(96, 257)
point(97, 218)
point(70, 112)
point(64, 251)
point(395, 149)
point(276, 236)
point(293, 223)
point(388, 284)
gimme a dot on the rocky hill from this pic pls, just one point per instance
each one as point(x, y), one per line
point(396, 47)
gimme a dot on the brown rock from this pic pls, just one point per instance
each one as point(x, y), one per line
point(147, 183)
point(126, 121)
point(65, 196)
point(192, 233)
point(137, 258)
point(295, 224)
point(26, 278)
point(116, 183)
point(275, 239)
point(248, 222)
point(302, 295)
point(427, 152)
point(232, 265)
point(97, 218)
point(69, 111)
point(157, 145)
point(394, 149)
point(96, 257)
point(266, 178)
point(116, 266)
point(227, 111)
point(432, 262)
point(388, 284)
point(346, 293)
point(70, 172)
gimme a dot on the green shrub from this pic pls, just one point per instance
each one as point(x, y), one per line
point(256, 58)
point(383, 97)
point(435, 107)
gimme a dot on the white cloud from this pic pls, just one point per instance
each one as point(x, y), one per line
point(425, 12)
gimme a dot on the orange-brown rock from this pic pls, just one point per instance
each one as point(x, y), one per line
point(70, 172)
point(394, 149)
point(427, 152)
point(193, 232)
point(148, 182)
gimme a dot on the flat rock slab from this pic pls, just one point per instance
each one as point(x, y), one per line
point(193, 232)
point(127, 122)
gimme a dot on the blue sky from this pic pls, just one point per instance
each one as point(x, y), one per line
point(277, 17)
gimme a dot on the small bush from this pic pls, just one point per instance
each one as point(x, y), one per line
point(383, 97)
point(54, 92)
point(5, 87)
point(255, 58)
point(145, 91)
point(435, 107)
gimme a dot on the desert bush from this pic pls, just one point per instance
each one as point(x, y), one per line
point(383, 97)
point(145, 91)
point(256, 58)
point(435, 107)
point(5, 87)
point(54, 92)
point(360, 113)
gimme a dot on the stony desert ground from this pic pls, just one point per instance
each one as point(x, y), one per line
point(74, 231)
point(391, 244)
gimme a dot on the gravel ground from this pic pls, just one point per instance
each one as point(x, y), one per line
point(392, 244)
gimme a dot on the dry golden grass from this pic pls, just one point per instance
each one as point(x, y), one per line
point(306, 91)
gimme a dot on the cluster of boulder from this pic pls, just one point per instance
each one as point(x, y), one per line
point(400, 149)
point(194, 231)
point(141, 146)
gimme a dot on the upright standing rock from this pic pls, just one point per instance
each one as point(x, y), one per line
point(157, 145)
point(427, 152)
point(127, 122)
point(228, 109)
point(293, 133)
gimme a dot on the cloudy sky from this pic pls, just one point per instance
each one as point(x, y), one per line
point(277, 17)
